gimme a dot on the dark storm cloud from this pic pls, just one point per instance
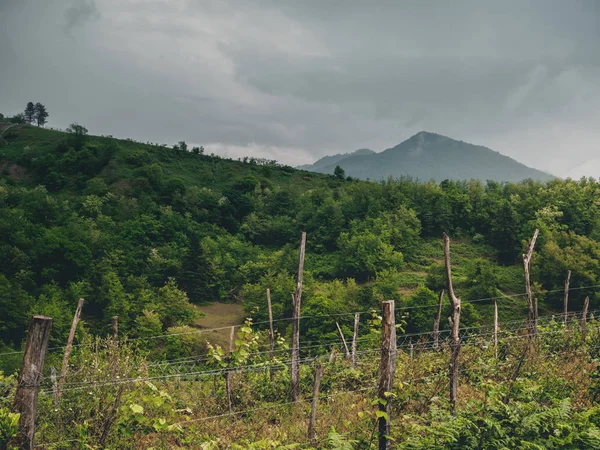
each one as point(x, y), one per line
point(299, 79)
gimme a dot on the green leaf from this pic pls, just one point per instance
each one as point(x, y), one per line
point(137, 409)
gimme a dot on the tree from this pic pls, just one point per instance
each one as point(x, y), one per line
point(196, 273)
point(77, 130)
point(29, 112)
point(41, 114)
point(339, 173)
point(17, 118)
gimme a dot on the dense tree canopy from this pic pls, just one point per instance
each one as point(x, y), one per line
point(141, 230)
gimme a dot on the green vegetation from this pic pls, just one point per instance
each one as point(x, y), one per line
point(429, 156)
point(139, 230)
point(156, 235)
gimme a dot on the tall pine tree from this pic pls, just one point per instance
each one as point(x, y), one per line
point(40, 114)
point(30, 112)
point(196, 273)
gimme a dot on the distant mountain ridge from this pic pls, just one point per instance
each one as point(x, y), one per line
point(430, 156)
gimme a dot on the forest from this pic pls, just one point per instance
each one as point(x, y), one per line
point(149, 232)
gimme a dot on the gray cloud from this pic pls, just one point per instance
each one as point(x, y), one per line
point(301, 79)
point(80, 12)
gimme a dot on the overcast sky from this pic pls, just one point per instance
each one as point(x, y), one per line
point(295, 80)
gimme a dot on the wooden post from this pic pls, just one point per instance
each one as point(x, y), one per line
point(387, 369)
point(436, 322)
point(115, 328)
point(532, 313)
point(343, 340)
point(411, 350)
point(228, 390)
point(295, 350)
point(30, 379)
point(315, 404)
point(69, 346)
point(115, 339)
point(271, 333)
point(566, 301)
point(455, 323)
point(496, 328)
point(53, 379)
point(231, 339)
point(355, 339)
point(586, 305)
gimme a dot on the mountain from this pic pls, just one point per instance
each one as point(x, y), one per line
point(333, 160)
point(430, 156)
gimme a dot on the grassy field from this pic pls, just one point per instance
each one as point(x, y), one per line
point(220, 315)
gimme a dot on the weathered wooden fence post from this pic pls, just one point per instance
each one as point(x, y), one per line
point(411, 350)
point(30, 379)
point(355, 339)
point(115, 343)
point(54, 381)
point(496, 328)
point(531, 306)
point(387, 369)
point(455, 323)
point(65, 363)
point(271, 332)
point(566, 301)
point(348, 356)
point(315, 404)
point(586, 305)
point(295, 350)
point(436, 322)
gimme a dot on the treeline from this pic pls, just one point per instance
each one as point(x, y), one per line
point(141, 231)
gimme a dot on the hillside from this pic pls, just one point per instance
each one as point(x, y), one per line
point(163, 237)
point(430, 156)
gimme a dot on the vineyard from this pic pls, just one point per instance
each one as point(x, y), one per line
point(530, 383)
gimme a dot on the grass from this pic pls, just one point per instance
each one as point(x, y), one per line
point(220, 315)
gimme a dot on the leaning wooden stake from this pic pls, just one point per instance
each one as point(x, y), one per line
point(387, 369)
point(348, 356)
point(455, 324)
point(295, 350)
point(496, 328)
point(355, 339)
point(436, 322)
point(315, 404)
point(566, 301)
point(586, 305)
point(30, 380)
point(65, 362)
point(532, 313)
point(271, 333)
point(54, 381)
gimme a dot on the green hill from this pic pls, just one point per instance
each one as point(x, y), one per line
point(430, 156)
point(147, 232)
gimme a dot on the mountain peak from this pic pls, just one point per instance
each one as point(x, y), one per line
point(430, 156)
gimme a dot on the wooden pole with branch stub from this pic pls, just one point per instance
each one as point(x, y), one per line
point(65, 363)
point(531, 306)
point(348, 356)
point(455, 324)
point(315, 403)
point(436, 322)
point(30, 379)
point(387, 368)
point(355, 339)
point(566, 300)
point(586, 305)
point(297, 300)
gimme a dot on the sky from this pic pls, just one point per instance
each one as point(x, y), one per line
point(295, 80)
